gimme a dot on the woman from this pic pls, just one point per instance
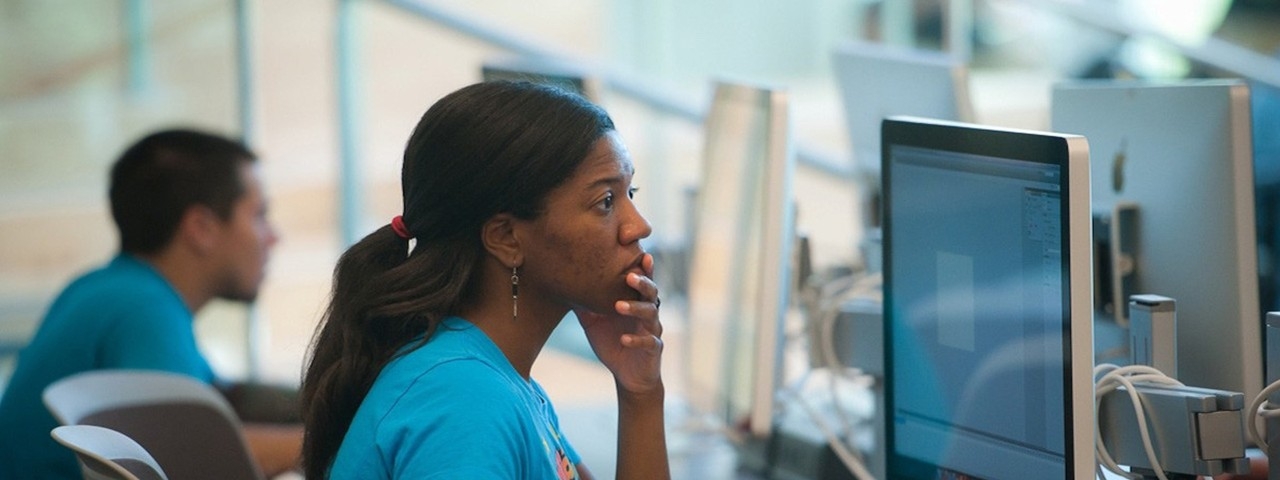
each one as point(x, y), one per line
point(517, 209)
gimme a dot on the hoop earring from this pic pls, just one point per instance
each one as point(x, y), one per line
point(515, 292)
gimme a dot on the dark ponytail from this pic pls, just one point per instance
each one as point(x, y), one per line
point(386, 300)
point(486, 149)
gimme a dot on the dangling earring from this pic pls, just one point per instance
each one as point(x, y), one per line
point(515, 292)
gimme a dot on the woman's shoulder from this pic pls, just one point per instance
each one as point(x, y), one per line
point(424, 369)
point(453, 348)
point(453, 394)
point(439, 372)
point(435, 419)
point(458, 368)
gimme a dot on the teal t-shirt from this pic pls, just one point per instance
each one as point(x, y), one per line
point(122, 315)
point(455, 408)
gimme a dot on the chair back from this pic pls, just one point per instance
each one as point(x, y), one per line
point(106, 454)
point(185, 424)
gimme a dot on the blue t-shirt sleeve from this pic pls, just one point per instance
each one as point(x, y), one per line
point(154, 336)
point(461, 421)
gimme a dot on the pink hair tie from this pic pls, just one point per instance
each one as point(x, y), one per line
point(397, 225)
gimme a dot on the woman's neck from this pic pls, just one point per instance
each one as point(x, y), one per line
point(520, 337)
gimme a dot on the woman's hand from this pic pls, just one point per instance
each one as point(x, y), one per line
point(629, 341)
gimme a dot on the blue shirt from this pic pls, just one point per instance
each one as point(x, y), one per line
point(123, 315)
point(455, 408)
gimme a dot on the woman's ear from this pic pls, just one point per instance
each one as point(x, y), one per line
point(499, 238)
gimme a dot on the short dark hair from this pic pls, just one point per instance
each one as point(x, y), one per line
point(162, 175)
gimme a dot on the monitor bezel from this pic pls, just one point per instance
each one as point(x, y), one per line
point(1071, 153)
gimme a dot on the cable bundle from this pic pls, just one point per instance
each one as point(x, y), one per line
point(1264, 410)
point(1109, 378)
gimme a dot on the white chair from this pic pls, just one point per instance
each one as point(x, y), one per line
point(185, 424)
point(106, 454)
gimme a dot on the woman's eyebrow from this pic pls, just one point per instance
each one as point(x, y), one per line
point(612, 180)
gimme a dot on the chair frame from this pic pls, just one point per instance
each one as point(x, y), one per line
point(129, 401)
point(99, 451)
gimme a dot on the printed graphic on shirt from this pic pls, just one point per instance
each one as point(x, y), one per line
point(565, 469)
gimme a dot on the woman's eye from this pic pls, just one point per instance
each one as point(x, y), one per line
point(631, 192)
point(608, 202)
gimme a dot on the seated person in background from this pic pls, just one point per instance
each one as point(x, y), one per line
point(517, 209)
point(193, 227)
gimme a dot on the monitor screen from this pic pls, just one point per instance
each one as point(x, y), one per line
point(988, 348)
point(740, 258)
point(1179, 156)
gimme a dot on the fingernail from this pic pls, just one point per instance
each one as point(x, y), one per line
point(623, 307)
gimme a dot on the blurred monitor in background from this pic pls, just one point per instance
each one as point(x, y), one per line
point(741, 259)
point(877, 81)
point(563, 74)
point(1179, 156)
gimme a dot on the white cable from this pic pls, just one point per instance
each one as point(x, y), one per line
point(1263, 409)
point(830, 296)
point(1125, 376)
point(1104, 456)
point(826, 341)
point(850, 459)
point(1109, 378)
point(1113, 378)
point(823, 303)
point(867, 287)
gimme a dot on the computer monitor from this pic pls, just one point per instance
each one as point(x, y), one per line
point(1178, 155)
point(561, 73)
point(740, 258)
point(877, 81)
point(988, 322)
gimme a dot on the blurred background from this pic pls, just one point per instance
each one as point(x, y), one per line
point(328, 92)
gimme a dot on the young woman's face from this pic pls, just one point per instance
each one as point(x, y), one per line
point(579, 251)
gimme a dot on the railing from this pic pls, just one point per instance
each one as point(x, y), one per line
point(627, 86)
point(958, 21)
point(1212, 51)
point(1215, 52)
